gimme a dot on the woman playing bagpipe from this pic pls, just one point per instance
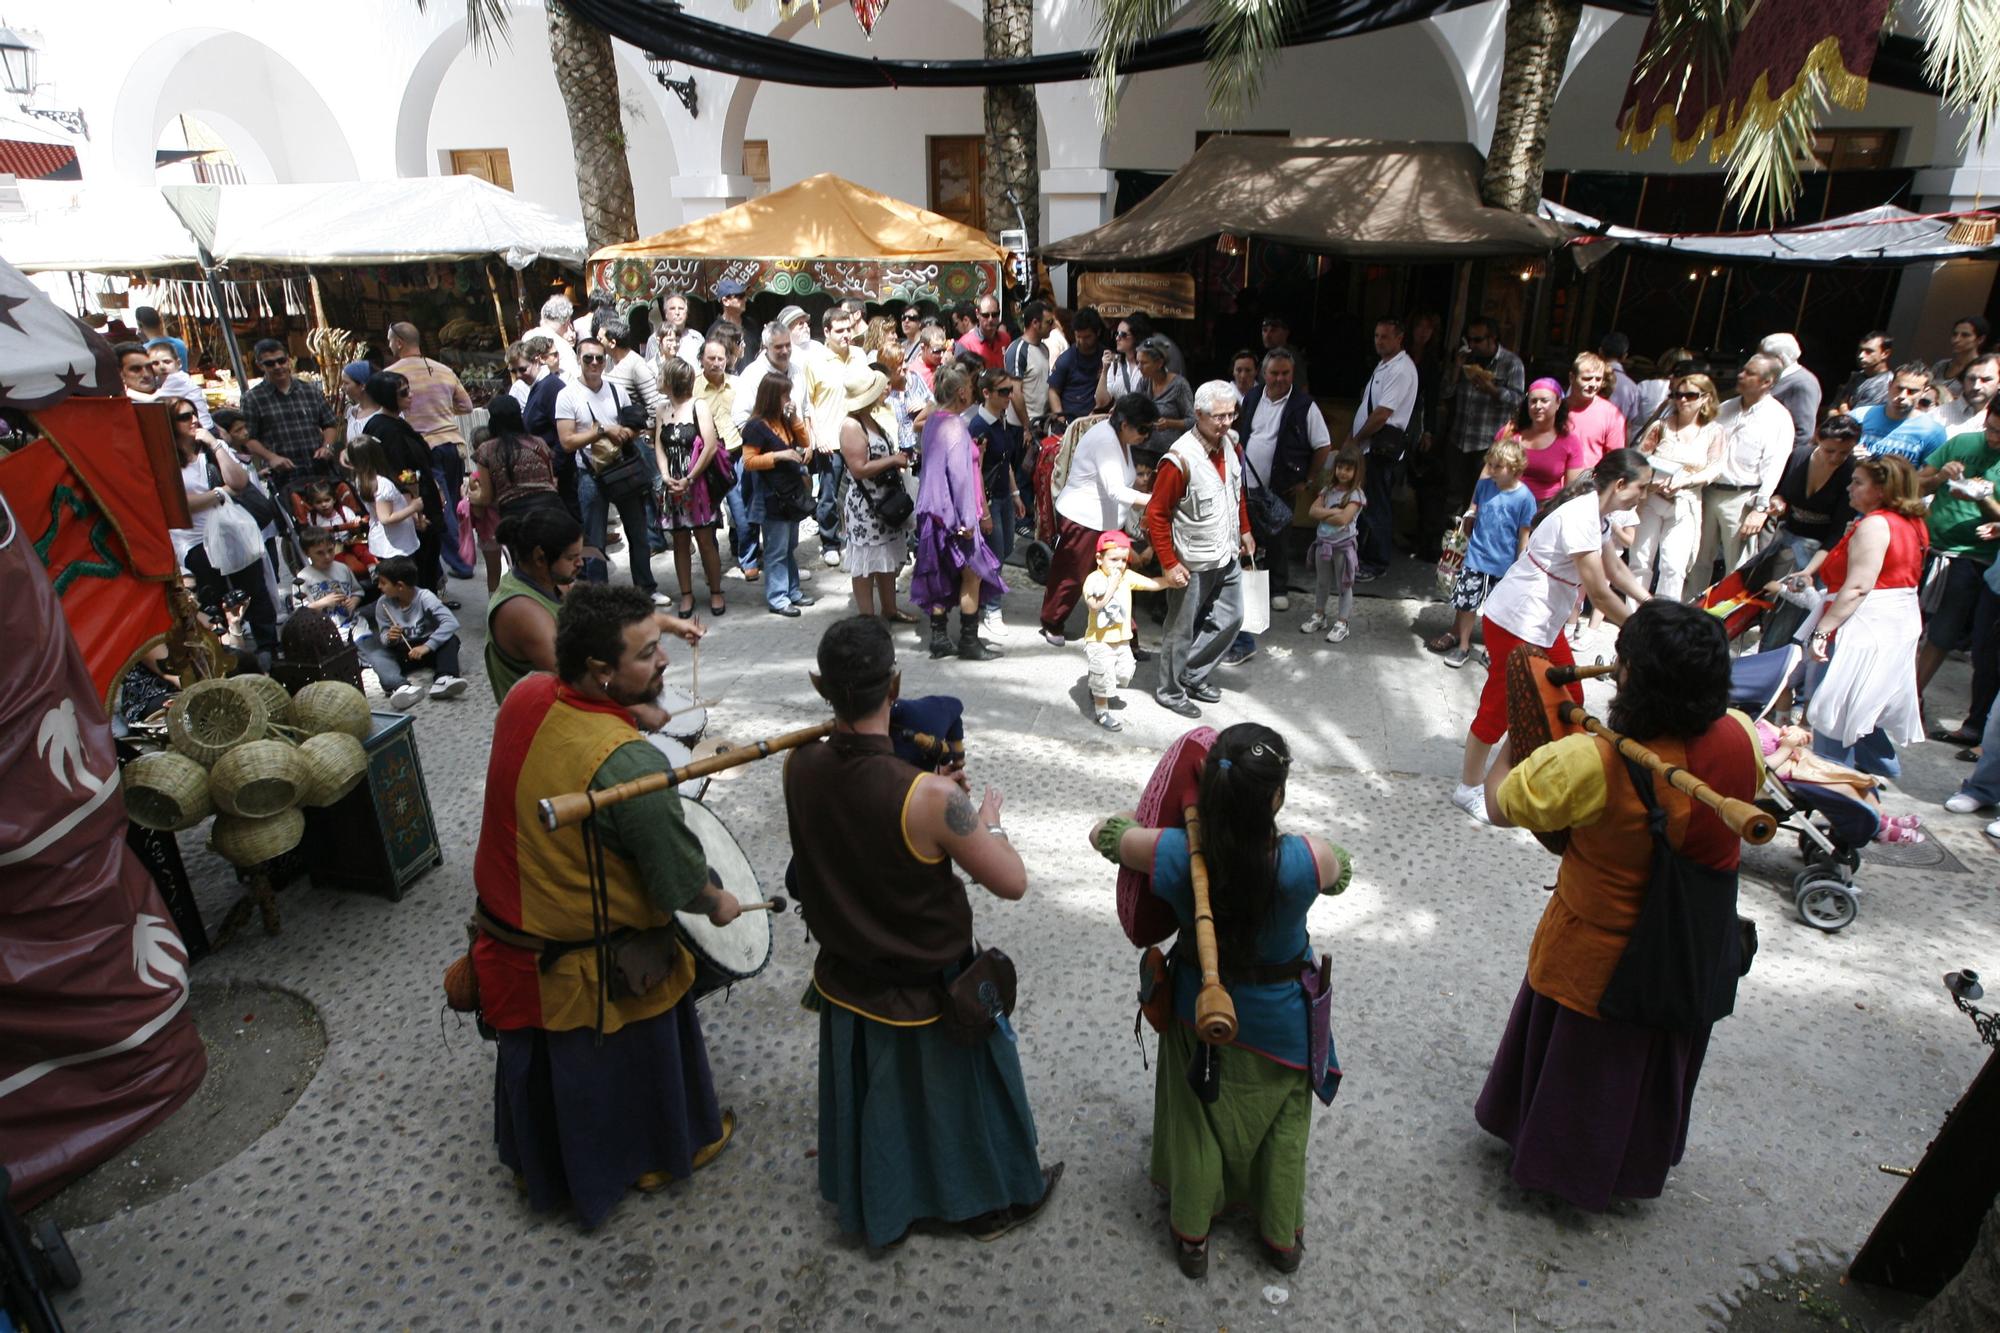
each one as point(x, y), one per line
point(1639, 948)
point(1230, 1124)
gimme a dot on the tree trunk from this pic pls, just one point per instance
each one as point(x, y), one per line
point(1969, 1302)
point(1011, 124)
point(1538, 36)
point(588, 78)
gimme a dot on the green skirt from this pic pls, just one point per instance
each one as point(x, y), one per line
point(1247, 1150)
point(913, 1126)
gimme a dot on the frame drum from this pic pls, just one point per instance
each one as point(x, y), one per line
point(678, 756)
point(724, 955)
point(685, 722)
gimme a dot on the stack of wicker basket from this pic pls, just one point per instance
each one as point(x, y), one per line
point(251, 754)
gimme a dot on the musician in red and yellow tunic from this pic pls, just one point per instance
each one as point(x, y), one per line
point(1594, 1108)
point(579, 1115)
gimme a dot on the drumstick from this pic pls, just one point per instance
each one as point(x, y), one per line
point(575, 807)
point(1748, 822)
point(1214, 1011)
point(777, 904)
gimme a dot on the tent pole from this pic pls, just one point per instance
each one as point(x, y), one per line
point(1722, 312)
point(207, 262)
point(1805, 290)
point(1694, 315)
point(521, 300)
point(499, 311)
point(1618, 302)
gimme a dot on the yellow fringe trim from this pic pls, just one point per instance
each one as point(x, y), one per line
point(1843, 88)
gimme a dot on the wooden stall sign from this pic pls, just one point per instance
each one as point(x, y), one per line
point(1160, 295)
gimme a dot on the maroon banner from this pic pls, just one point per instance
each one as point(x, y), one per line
point(95, 1043)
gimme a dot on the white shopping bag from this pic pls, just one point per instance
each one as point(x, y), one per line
point(1256, 586)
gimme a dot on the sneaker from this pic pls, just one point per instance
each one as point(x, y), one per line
point(661, 599)
point(1315, 623)
point(733, 572)
point(803, 600)
point(1472, 800)
point(1237, 656)
point(1338, 633)
point(1053, 639)
point(991, 626)
point(405, 698)
point(1457, 657)
point(805, 574)
point(1963, 803)
point(1993, 829)
point(1189, 708)
point(1281, 603)
point(1368, 575)
point(447, 687)
point(831, 558)
point(1108, 722)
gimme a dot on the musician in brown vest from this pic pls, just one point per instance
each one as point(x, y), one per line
point(922, 1111)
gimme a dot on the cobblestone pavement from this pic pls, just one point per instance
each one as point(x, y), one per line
point(378, 1202)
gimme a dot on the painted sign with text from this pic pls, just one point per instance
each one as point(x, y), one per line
point(875, 280)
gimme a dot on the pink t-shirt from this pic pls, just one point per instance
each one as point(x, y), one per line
point(1548, 466)
point(1599, 428)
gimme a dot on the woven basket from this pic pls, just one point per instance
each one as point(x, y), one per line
point(248, 842)
point(210, 717)
point(277, 699)
point(333, 762)
point(331, 705)
point(257, 780)
point(166, 791)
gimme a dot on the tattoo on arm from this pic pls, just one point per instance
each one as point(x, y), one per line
point(959, 816)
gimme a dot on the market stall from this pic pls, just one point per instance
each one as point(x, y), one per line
point(824, 237)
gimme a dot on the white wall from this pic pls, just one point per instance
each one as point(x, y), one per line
point(511, 101)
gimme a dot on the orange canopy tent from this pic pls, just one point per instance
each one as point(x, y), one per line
point(823, 235)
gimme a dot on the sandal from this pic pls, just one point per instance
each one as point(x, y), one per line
point(1900, 835)
point(1441, 643)
point(901, 617)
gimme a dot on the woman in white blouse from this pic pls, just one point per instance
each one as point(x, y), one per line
point(1095, 498)
point(1686, 449)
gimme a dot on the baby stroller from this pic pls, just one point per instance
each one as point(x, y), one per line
point(1738, 598)
point(1832, 826)
point(1051, 471)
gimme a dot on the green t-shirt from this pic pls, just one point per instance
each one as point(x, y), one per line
point(1953, 518)
point(649, 831)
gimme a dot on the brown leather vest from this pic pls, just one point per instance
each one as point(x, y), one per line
point(887, 920)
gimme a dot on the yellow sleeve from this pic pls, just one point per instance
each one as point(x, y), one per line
point(1559, 786)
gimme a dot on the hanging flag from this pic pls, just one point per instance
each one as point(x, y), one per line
point(1769, 62)
point(867, 13)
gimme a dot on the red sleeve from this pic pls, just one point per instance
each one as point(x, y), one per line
point(1242, 508)
point(1168, 487)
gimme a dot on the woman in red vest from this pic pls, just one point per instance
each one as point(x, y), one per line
point(1596, 1108)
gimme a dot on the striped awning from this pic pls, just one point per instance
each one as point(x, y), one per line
point(35, 161)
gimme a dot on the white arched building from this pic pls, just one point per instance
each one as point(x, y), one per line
point(378, 88)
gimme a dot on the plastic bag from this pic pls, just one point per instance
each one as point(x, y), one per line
point(468, 534)
point(229, 535)
point(1451, 557)
point(1256, 587)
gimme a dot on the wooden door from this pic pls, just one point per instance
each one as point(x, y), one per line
point(488, 164)
point(958, 178)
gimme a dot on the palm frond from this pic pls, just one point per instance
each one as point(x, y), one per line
point(485, 25)
point(1122, 25)
point(1695, 36)
point(1962, 58)
point(1764, 175)
point(1244, 38)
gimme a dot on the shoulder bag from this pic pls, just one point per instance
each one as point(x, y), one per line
point(1270, 516)
point(891, 503)
point(631, 473)
point(1688, 947)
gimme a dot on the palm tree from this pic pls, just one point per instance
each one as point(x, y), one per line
point(1011, 123)
point(587, 74)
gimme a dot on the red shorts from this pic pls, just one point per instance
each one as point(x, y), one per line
point(1490, 723)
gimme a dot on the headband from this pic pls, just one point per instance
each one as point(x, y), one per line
point(1546, 383)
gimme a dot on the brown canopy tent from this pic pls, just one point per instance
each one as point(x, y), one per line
point(1354, 198)
point(823, 235)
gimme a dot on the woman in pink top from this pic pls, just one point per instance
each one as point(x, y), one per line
point(1554, 456)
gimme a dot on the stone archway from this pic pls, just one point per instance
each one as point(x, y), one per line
point(274, 114)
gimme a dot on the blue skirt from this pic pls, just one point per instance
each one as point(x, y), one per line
point(582, 1122)
point(941, 556)
point(914, 1126)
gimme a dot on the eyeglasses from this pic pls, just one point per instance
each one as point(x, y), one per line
point(272, 363)
point(591, 360)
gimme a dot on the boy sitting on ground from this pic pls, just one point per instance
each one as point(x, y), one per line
point(415, 630)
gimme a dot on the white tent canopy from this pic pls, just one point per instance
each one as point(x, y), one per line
point(1881, 235)
point(374, 222)
point(133, 228)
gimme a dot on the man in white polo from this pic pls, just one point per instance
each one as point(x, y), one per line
point(1381, 429)
point(1756, 442)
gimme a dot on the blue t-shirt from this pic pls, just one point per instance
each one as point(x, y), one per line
point(1075, 381)
point(1270, 1019)
point(1912, 438)
point(1496, 528)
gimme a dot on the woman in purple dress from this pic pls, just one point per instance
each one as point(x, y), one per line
point(954, 563)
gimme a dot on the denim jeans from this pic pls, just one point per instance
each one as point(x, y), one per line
point(1378, 516)
point(448, 467)
point(744, 539)
point(1984, 784)
point(392, 661)
point(597, 508)
point(1874, 753)
point(781, 562)
point(1001, 539)
point(827, 510)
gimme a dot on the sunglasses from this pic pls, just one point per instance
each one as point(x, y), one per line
point(591, 360)
point(274, 362)
point(518, 370)
point(184, 416)
point(1124, 333)
point(1689, 396)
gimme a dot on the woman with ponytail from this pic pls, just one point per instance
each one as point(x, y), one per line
point(1241, 1140)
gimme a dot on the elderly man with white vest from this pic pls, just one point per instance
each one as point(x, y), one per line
point(1199, 525)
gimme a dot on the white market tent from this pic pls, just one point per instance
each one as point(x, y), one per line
point(117, 229)
point(1881, 235)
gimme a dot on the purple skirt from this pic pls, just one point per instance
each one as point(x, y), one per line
point(582, 1122)
point(1594, 1109)
point(941, 555)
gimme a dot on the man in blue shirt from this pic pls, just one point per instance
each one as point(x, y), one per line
point(1896, 427)
point(1076, 372)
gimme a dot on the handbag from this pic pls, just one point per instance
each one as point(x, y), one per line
point(1451, 557)
point(892, 505)
point(1688, 947)
point(468, 533)
point(1270, 516)
point(979, 999)
point(631, 473)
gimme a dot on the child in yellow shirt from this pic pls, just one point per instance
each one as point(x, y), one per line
point(1107, 633)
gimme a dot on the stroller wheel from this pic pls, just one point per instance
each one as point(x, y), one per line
point(52, 1253)
point(1038, 557)
point(1842, 853)
point(1826, 903)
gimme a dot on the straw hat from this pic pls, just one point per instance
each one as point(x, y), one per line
point(865, 386)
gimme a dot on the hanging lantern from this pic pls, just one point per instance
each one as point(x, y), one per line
point(867, 13)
